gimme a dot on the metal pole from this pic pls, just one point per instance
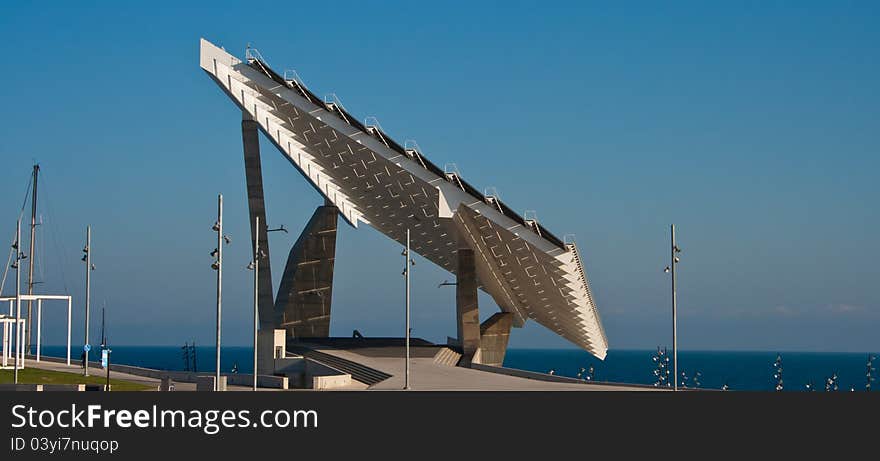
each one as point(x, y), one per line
point(39, 325)
point(32, 256)
point(256, 291)
point(69, 315)
point(674, 312)
point(17, 298)
point(219, 284)
point(108, 370)
point(406, 269)
point(88, 296)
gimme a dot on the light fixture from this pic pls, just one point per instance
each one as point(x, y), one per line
point(227, 239)
point(214, 253)
point(250, 266)
point(216, 227)
point(85, 258)
point(215, 265)
point(666, 269)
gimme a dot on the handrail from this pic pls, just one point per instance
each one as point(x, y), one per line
point(290, 75)
point(372, 123)
point(412, 147)
point(331, 100)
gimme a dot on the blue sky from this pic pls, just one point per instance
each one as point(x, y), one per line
point(751, 125)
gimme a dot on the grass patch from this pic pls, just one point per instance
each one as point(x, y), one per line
point(38, 376)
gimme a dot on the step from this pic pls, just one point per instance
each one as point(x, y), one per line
point(362, 373)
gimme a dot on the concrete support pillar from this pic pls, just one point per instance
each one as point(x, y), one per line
point(466, 307)
point(494, 334)
point(305, 294)
point(257, 207)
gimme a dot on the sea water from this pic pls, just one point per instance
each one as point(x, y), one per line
point(752, 370)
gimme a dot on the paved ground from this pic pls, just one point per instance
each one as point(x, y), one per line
point(425, 375)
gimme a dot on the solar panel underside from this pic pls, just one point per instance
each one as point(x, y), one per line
point(371, 179)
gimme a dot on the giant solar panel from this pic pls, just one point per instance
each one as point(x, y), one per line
point(372, 179)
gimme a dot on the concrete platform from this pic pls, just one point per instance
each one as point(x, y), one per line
point(387, 356)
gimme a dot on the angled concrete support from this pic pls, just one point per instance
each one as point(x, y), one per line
point(467, 311)
point(494, 334)
point(257, 207)
point(303, 302)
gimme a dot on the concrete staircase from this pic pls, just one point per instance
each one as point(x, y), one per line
point(447, 356)
point(358, 372)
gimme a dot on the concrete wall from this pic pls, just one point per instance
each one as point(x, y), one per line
point(268, 381)
point(64, 387)
point(206, 383)
point(20, 387)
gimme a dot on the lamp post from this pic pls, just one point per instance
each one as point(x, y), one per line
point(87, 258)
point(674, 260)
point(407, 263)
point(255, 266)
point(17, 266)
point(218, 266)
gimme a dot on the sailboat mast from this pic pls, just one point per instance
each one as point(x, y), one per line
point(32, 257)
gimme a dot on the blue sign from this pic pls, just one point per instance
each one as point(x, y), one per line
point(87, 347)
point(104, 355)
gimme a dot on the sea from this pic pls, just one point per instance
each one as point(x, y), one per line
point(737, 370)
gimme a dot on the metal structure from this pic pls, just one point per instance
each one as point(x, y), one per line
point(367, 177)
point(217, 265)
point(255, 266)
point(39, 299)
point(87, 258)
point(32, 256)
point(407, 269)
point(19, 256)
point(673, 263)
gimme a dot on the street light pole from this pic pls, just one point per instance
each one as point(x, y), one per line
point(256, 292)
point(406, 270)
point(218, 266)
point(674, 260)
point(18, 338)
point(674, 311)
point(88, 259)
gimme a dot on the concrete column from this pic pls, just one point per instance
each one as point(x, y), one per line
point(466, 307)
point(306, 291)
point(494, 334)
point(257, 207)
